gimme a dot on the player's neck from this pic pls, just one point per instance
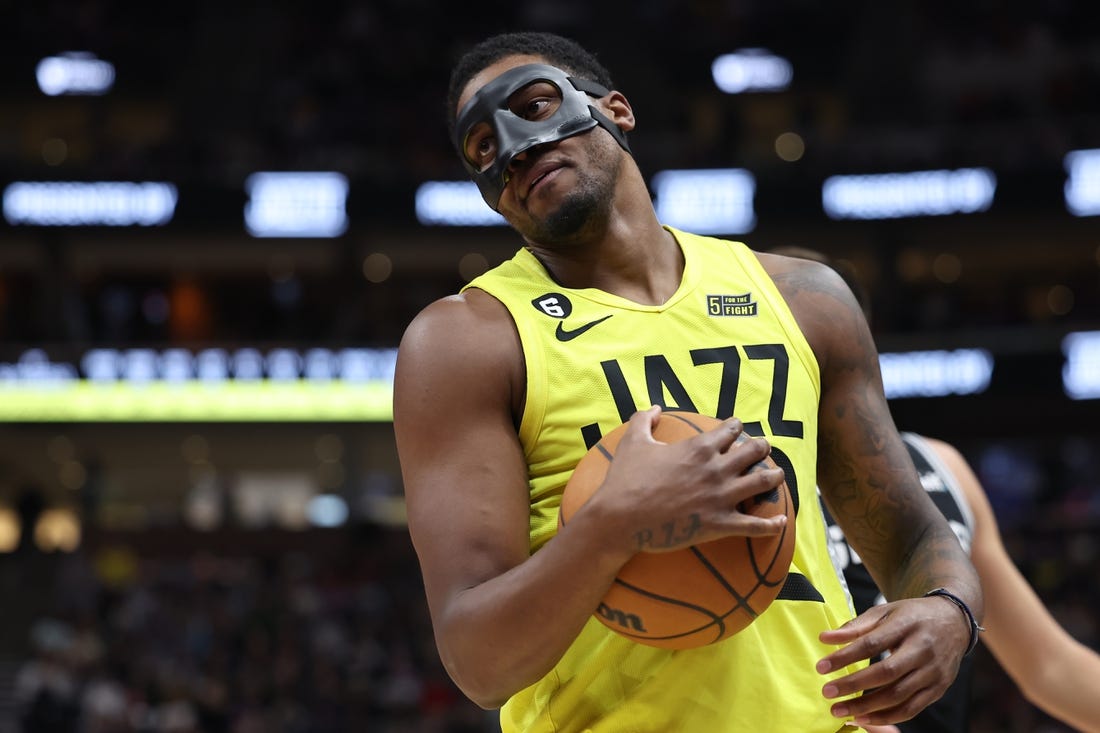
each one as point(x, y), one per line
point(635, 258)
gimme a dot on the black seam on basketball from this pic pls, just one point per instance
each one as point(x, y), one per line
point(742, 601)
point(762, 579)
point(606, 454)
point(684, 420)
point(657, 596)
point(716, 620)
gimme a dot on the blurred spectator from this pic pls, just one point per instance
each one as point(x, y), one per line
point(282, 641)
point(46, 689)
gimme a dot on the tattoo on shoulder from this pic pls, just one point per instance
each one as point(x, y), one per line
point(808, 281)
point(826, 311)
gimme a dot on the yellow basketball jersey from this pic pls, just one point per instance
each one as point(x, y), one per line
point(725, 344)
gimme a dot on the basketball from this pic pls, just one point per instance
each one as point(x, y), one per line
point(700, 594)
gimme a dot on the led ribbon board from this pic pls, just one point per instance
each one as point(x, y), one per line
point(92, 203)
point(175, 385)
point(1081, 371)
point(936, 373)
point(715, 201)
point(455, 204)
point(920, 193)
point(1082, 189)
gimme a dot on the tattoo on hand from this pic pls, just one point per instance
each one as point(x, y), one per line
point(669, 534)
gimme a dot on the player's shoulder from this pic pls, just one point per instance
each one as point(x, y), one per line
point(471, 326)
point(470, 307)
point(819, 298)
point(799, 275)
point(829, 312)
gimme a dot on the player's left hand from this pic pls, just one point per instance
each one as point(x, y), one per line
point(924, 639)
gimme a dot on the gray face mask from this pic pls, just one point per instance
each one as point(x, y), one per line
point(514, 134)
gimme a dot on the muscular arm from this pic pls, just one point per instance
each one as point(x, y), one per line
point(864, 470)
point(503, 617)
point(1055, 672)
point(872, 489)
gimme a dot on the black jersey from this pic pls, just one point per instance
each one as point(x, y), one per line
point(950, 713)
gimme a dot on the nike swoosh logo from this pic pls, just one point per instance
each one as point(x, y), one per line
point(564, 335)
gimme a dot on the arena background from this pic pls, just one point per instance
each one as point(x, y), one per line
point(201, 510)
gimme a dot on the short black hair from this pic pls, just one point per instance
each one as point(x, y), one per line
point(564, 53)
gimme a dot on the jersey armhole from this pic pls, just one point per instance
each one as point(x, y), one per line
point(533, 404)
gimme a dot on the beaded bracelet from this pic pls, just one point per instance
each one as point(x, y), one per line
point(974, 626)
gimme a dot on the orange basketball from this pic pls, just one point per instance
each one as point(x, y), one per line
point(699, 594)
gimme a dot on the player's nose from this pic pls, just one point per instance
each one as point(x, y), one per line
point(526, 156)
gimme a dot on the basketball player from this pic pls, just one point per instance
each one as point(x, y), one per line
point(1056, 673)
point(604, 316)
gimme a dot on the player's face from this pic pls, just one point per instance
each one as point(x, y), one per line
point(556, 191)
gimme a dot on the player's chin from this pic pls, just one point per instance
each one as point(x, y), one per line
point(518, 210)
point(539, 207)
point(549, 192)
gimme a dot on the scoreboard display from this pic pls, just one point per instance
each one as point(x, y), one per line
point(282, 384)
point(210, 385)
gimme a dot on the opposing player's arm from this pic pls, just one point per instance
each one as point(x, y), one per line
point(1055, 672)
point(501, 617)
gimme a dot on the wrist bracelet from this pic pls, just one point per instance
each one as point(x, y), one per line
point(974, 626)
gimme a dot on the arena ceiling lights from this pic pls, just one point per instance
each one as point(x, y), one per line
point(936, 373)
point(707, 201)
point(96, 203)
point(714, 201)
point(74, 72)
point(1083, 182)
point(296, 204)
point(1081, 371)
point(751, 70)
point(920, 193)
point(454, 204)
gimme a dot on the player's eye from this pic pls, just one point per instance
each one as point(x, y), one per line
point(536, 108)
point(481, 147)
point(536, 101)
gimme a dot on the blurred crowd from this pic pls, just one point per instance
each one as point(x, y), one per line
point(326, 636)
point(201, 642)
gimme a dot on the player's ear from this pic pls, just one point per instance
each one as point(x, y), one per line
point(618, 110)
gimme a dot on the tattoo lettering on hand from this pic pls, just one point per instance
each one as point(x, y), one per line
point(669, 534)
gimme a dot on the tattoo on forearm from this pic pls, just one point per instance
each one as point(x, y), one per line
point(867, 477)
point(884, 503)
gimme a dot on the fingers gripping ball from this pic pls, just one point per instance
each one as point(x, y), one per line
point(700, 594)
